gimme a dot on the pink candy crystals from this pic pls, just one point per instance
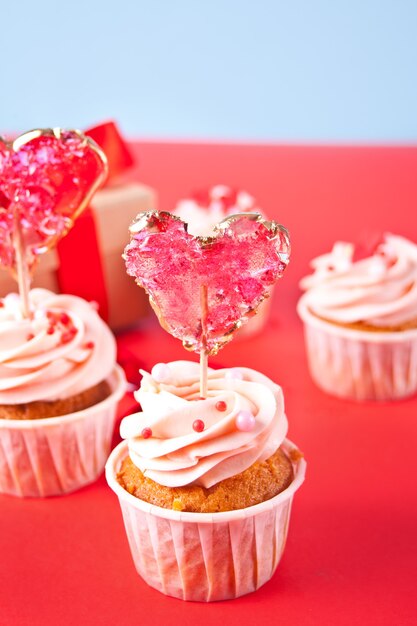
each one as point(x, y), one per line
point(237, 266)
point(47, 177)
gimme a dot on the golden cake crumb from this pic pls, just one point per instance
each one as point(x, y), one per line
point(258, 483)
point(41, 410)
point(365, 326)
point(296, 455)
point(176, 505)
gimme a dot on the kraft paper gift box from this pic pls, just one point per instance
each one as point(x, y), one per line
point(116, 208)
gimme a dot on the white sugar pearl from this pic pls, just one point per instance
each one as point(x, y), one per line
point(234, 374)
point(161, 373)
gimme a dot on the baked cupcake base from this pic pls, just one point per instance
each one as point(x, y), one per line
point(364, 326)
point(54, 456)
point(206, 556)
point(42, 410)
point(259, 482)
point(360, 364)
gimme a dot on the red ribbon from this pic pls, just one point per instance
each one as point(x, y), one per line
point(118, 155)
point(80, 269)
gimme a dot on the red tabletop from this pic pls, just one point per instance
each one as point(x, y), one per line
point(351, 555)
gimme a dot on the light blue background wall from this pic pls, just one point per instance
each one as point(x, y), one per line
point(263, 69)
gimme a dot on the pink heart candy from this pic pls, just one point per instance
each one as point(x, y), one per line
point(236, 266)
point(47, 177)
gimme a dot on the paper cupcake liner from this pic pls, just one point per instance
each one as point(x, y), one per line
point(360, 365)
point(202, 556)
point(56, 455)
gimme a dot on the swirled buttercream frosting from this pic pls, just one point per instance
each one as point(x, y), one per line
point(161, 438)
point(380, 290)
point(63, 349)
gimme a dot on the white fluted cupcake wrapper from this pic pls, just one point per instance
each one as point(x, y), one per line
point(360, 365)
point(202, 556)
point(56, 455)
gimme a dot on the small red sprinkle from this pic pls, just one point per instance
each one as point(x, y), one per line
point(1, 304)
point(221, 406)
point(50, 330)
point(198, 426)
point(146, 433)
point(64, 318)
point(50, 315)
point(89, 345)
point(30, 336)
point(69, 335)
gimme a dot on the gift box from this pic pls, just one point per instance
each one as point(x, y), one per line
point(88, 261)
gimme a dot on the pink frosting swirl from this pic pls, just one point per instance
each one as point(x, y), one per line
point(380, 290)
point(175, 454)
point(63, 349)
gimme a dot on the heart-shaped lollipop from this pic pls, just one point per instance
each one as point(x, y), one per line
point(47, 177)
point(204, 288)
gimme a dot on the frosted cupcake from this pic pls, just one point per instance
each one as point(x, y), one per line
point(206, 486)
point(208, 207)
point(59, 389)
point(205, 477)
point(360, 321)
point(59, 383)
point(204, 210)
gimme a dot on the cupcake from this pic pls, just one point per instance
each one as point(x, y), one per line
point(59, 389)
point(205, 476)
point(208, 207)
point(360, 320)
point(59, 383)
point(206, 486)
point(204, 210)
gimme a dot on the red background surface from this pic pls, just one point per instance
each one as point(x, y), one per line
point(351, 555)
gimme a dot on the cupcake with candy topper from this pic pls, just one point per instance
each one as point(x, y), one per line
point(59, 382)
point(360, 318)
point(205, 476)
point(207, 207)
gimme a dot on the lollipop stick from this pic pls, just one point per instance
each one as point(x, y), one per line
point(203, 351)
point(22, 270)
point(203, 373)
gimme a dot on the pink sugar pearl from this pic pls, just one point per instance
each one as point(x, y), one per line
point(245, 421)
point(161, 373)
point(234, 374)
